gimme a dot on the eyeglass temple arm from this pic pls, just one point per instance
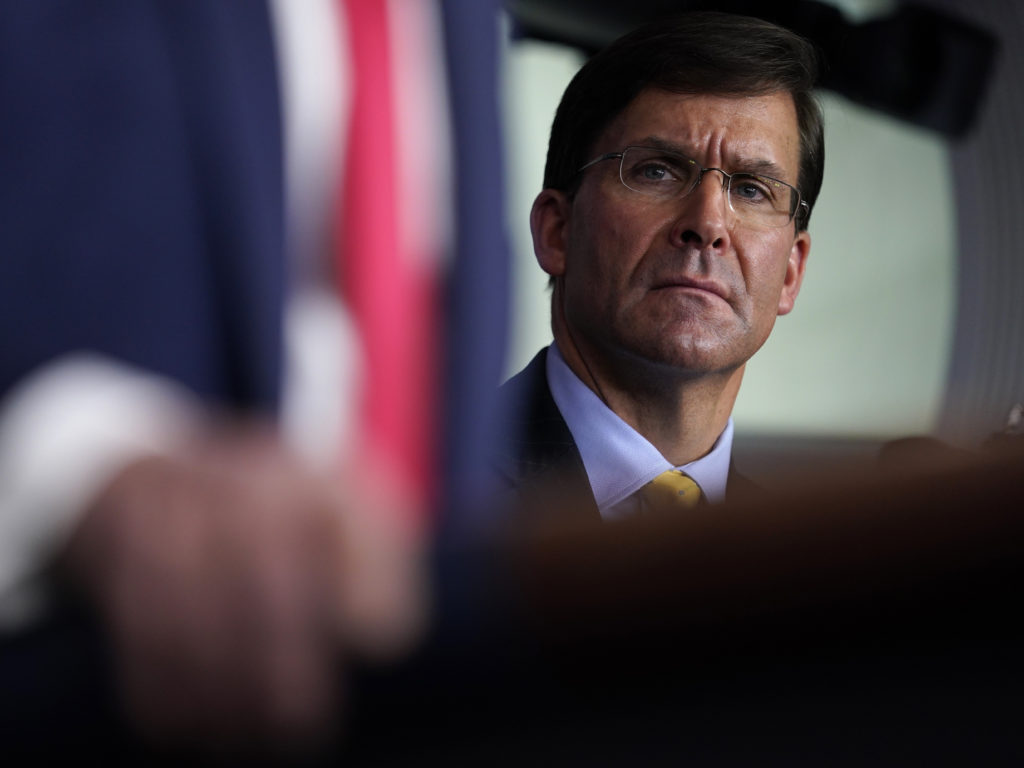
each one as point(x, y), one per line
point(596, 160)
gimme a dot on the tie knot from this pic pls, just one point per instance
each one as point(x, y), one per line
point(671, 490)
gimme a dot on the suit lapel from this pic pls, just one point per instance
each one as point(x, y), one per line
point(739, 487)
point(538, 459)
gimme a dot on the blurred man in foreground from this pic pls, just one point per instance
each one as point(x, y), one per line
point(160, 250)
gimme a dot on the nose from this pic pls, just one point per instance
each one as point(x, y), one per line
point(704, 217)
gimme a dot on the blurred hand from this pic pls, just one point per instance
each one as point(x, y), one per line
point(234, 581)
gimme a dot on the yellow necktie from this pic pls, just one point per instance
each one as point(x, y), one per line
point(670, 491)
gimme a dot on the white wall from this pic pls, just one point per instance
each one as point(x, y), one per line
point(536, 74)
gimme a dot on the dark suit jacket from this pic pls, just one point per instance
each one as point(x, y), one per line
point(538, 460)
point(141, 194)
point(141, 217)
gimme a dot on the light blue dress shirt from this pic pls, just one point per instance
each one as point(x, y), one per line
point(619, 460)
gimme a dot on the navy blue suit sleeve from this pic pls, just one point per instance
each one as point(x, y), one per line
point(141, 193)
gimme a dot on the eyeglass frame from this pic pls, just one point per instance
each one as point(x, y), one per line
point(701, 170)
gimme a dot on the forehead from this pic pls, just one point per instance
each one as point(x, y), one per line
point(731, 131)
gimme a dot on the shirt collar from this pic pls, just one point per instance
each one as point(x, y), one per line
point(618, 459)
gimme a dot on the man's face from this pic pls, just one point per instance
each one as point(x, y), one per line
point(679, 282)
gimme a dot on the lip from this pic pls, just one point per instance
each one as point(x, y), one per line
point(707, 286)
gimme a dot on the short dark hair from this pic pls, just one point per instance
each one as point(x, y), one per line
point(692, 53)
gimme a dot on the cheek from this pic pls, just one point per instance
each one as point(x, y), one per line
point(594, 256)
point(622, 242)
point(764, 267)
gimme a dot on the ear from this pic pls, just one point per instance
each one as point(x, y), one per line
point(794, 272)
point(549, 223)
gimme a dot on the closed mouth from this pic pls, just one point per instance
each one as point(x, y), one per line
point(708, 286)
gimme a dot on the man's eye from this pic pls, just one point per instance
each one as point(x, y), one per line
point(751, 190)
point(654, 172)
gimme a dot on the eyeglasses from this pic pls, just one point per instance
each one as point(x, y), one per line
point(759, 201)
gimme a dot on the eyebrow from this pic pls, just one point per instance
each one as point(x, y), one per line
point(758, 166)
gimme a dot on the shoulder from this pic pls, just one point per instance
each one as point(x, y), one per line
point(535, 450)
point(528, 385)
point(533, 433)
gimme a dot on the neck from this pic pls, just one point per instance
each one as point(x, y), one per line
point(680, 413)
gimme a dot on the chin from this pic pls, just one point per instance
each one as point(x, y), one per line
point(680, 358)
point(695, 355)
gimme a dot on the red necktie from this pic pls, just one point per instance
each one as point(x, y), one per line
point(388, 287)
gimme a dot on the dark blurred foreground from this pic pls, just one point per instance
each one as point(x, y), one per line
point(859, 620)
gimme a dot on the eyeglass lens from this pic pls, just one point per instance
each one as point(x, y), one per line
point(756, 199)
